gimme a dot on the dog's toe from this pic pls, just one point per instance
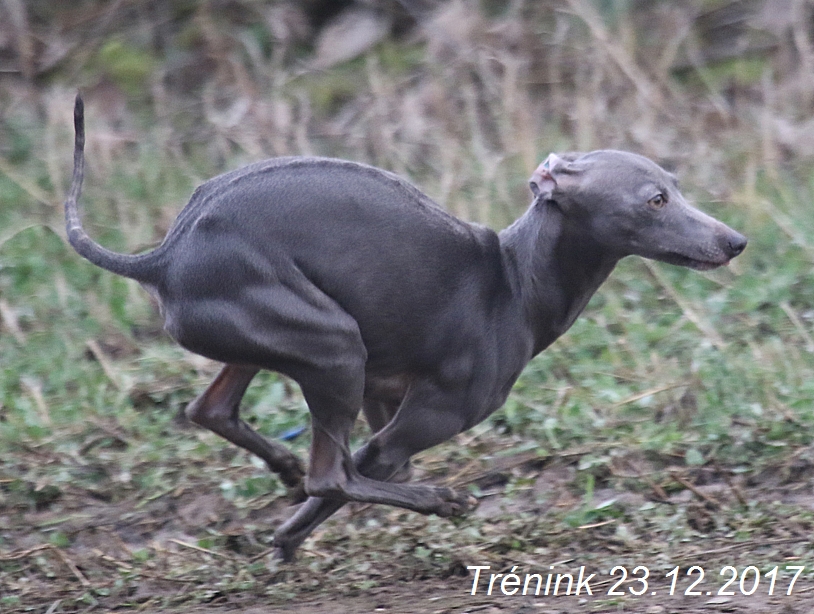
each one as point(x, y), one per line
point(455, 504)
point(283, 551)
point(293, 474)
point(464, 504)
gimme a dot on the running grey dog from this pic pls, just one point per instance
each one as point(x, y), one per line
point(352, 282)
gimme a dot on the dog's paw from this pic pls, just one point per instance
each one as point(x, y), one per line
point(455, 504)
point(284, 551)
point(293, 474)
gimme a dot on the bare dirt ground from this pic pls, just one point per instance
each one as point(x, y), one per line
point(429, 597)
point(192, 550)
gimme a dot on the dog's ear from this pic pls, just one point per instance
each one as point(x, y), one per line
point(542, 182)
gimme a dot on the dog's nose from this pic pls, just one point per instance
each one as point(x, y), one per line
point(737, 243)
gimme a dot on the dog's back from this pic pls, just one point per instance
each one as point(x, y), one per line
point(336, 225)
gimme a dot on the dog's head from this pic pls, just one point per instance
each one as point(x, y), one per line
point(631, 206)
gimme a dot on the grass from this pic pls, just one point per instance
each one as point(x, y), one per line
point(668, 370)
point(672, 425)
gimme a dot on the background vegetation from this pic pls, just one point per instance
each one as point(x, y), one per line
point(671, 426)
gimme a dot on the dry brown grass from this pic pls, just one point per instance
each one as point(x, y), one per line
point(464, 102)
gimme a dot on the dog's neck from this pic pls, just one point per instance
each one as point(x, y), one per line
point(556, 268)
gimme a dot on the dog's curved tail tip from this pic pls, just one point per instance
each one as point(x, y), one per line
point(74, 225)
point(79, 122)
point(141, 267)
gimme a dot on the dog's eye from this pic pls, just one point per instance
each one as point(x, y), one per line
point(658, 201)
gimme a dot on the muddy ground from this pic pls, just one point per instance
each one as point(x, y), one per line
point(192, 550)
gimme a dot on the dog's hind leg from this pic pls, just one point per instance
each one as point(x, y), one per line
point(290, 327)
point(316, 510)
point(217, 409)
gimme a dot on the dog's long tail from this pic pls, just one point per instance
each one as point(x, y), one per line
point(141, 267)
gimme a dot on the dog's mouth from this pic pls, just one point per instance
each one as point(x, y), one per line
point(693, 263)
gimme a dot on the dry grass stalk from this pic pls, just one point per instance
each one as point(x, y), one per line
point(8, 318)
point(33, 388)
point(107, 366)
point(691, 487)
point(691, 313)
point(627, 64)
point(798, 324)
